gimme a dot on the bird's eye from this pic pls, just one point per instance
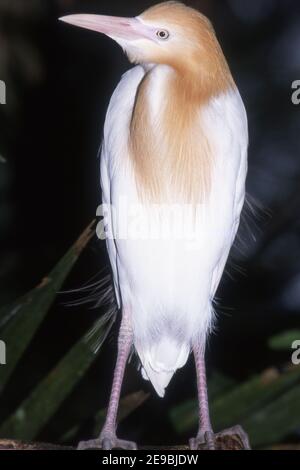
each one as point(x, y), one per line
point(162, 34)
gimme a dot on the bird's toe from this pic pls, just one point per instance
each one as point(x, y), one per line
point(108, 442)
point(204, 440)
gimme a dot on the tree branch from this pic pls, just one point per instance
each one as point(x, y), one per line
point(222, 443)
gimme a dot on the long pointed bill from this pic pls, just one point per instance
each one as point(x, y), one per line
point(112, 26)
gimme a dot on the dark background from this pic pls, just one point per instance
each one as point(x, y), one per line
point(59, 80)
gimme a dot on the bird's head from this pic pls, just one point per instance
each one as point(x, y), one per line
point(169, 33)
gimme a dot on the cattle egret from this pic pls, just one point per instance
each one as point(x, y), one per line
point(175, 150)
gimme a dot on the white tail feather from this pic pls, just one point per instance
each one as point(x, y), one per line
point(161, 361)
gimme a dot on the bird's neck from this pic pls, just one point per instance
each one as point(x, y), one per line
point(166, 135)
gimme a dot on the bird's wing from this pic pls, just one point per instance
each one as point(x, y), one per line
point(236, 150)
point(115, 131)
point(107, 214)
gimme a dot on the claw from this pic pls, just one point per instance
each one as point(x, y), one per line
point(107, 443)
point(206, 439)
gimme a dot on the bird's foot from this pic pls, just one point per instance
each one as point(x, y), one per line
point(107, 441)
point(235, 438)
point(205, 439)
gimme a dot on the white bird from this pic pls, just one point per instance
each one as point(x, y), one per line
point(173, 169)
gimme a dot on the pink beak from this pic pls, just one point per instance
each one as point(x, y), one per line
point(112, 26)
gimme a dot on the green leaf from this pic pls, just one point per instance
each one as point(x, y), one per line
point(276, 420)
point(251, 396)
point(242, 401)
point(21, 320)
point(127, 406)
point(36, 410)
point(284, 341)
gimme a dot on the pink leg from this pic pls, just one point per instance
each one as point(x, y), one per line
point(108, 439)
point(205, 433)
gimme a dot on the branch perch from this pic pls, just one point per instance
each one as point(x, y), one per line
point(222, 442)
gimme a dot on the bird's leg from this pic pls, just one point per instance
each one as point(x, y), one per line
point(206, 436)
point(205, 433)
point(108, 439)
